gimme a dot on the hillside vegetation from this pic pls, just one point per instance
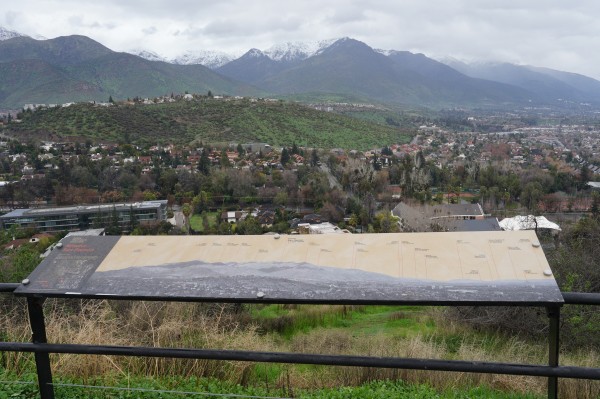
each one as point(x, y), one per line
point(211, 120)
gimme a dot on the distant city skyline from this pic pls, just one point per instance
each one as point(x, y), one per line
point(549, 33)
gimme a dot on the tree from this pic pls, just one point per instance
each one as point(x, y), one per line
point(395, 174)
point(82, 177)
point(149, 196)
point(224, 228)
point(110, 100)
point(387, 151)
point(239, 183)
point(127, 182)
point(187, 210)
point(209, 94)
point(420, 160)
point(569, 157)
point(331, 213)
point(315, 189)
point(576, 266)
point(385, 222)
point(595, 208)
point(585, 175)
point(224, 159)
point(281, 198)
point(249, 226)
point(114, 227)
point(531, 195)
point(295, 149)
point(205, 223)
point(18, 264)
point(285, 156)
point(314, 157)
point(133, 222)
point(240, 150)
point(201, 201)
point(204, 163)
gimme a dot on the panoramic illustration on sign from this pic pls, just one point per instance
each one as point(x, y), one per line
point(409, 267)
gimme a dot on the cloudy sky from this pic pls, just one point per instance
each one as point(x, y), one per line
point(553, 33)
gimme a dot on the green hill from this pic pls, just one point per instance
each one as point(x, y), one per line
point(76, 68)
point(211, 120)
point(37, 82)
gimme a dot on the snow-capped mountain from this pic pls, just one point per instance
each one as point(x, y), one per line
point(284, 52)
point(148, 55)
point(208, 58)
point(254, 53)
point(384, 52)
point(296, 51)
point(6, 34)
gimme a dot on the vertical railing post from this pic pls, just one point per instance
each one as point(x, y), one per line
point(553, 347)
point(35, 306)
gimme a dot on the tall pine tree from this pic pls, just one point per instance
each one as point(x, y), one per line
point(204, 163)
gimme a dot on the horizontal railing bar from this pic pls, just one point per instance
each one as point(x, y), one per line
point(570, 298)
point(9, 287)
point(581, 298)
point(296, 301)
point(301, 358)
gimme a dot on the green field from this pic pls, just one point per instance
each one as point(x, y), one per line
point(196, 220)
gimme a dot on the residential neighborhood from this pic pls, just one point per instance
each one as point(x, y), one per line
point(444, 179)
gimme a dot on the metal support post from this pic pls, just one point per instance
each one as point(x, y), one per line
point(553, 346)
point(35, 307)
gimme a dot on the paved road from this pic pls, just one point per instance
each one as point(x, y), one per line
point(333, 182)
point(177, 218)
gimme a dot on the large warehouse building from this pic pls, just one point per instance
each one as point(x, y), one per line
point(82, 217)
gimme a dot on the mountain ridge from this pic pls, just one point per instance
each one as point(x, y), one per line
point(339, 69)
point(546, 82)
point(77, 68)
point(353, 68)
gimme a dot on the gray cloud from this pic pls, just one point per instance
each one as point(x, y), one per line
point(79, 21)
point(346, 15)
point(11, 17)
point(550, 33)
point(150, 30)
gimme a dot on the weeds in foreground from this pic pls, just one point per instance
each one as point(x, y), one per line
point(383, 332)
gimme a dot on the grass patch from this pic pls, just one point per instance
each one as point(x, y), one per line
point(171, 388)
point(399, 389)
point(392, 321)
point(196, 221)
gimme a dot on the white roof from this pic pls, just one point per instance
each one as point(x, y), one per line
point(529, 222)
point(88, 232)
point(324, 228)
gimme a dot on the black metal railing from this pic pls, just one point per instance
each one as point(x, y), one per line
point(553, 371)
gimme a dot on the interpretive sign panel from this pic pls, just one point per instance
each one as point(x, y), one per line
point(444, 268)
